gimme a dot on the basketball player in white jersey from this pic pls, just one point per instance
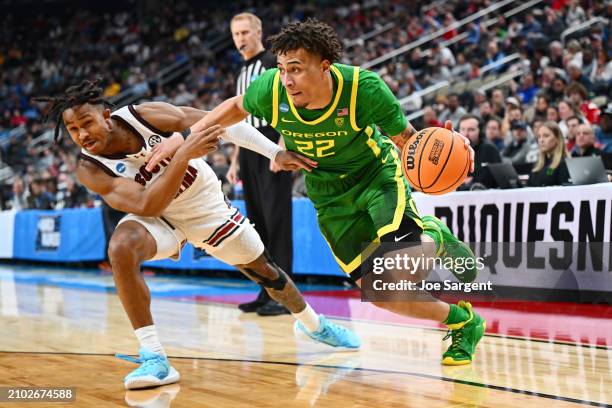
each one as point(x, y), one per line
point(179, 201)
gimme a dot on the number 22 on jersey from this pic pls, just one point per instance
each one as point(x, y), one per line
point(318, 148)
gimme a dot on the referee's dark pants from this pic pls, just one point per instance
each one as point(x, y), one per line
point(267, 196)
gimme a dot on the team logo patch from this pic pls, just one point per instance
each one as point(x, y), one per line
point(283, 108)
point(120, 167)
point(153, 140)
point(339, 122)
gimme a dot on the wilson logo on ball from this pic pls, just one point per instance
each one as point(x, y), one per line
point(436, 161)
point(412, 147)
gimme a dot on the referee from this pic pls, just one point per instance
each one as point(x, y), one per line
point(267, 191)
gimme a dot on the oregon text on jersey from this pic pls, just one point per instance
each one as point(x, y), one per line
point(313, 135)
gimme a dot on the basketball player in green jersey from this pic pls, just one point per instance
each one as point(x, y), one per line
point(331, 113)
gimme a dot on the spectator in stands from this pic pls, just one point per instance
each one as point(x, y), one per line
point(538, 111)
point(513, 114)
point(574, 72)
point(552, 28)
point(535, 125)
point(531, 27)
point(462, 69)
point(484, 111)
point(441, 54)
point(494, 55)
point(567, 109)
point(572, 54)
point(498, 101)
point(602, 75)
point(493, 133)
point(578, 94)
point(516, 151)
point(417, 62)
point(552, 114)
point(585, 142)
point(573, 123)
point(528, 89)
point(70, 194)
point(604, 133)
point(18, 119)
point(550, 169)
point(484, 152)
point(430, 118)
point(556, 92)
point(19, 200)
point(575, 14)
point(454, 111)
point(478, 97)
point(39, 198)
point(555, 53)
point(588, 63)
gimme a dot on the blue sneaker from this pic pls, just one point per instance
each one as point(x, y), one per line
point(154, 370)
point(331, 334)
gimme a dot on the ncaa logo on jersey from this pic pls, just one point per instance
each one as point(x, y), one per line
point(153, 140)
point(120, 167)
point(283, 108)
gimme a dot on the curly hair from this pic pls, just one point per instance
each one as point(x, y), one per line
point(85, 92)
point(312, 35)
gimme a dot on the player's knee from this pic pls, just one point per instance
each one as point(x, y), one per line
point(266, 273)
point(125, 247)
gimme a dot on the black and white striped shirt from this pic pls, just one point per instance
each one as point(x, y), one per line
point(251, 69)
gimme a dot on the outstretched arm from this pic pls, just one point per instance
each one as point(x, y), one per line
point(129, 196)
point(182, 119)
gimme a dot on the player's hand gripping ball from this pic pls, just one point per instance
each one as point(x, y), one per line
point(436, 160)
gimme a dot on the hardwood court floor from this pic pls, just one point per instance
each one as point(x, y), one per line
point(55, 333)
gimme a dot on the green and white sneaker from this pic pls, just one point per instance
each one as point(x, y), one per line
point(450, 246)
point(465, 336)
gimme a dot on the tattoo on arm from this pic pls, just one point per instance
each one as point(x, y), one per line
point(409, 131)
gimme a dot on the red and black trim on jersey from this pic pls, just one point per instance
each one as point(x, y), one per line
point(142, 120)
point(226, 230)
point(134, 131)
point(97, 163)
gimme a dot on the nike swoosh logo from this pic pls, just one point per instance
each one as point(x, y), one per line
point(402, 237)
point(386, 158)
point(287, 121)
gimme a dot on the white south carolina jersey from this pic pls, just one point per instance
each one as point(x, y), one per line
point(199, 213)
point(199, 182)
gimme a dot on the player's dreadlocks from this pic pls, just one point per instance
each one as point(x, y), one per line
point(85, 92)
point(312, 35)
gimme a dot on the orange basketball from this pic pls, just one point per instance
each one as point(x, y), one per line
point(435, 161)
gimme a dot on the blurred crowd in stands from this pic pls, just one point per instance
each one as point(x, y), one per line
point(554, 79)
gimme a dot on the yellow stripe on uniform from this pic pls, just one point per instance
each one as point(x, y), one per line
point(418, 219)
point(331, 108)
point(410, 200)
point(353, 105)
point(393, 226)
point(401, 199)
point(353, 114)
point(371, 142)
point(355, 263)
point(275, 99)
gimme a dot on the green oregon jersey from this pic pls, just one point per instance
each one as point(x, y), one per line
point(343, 137)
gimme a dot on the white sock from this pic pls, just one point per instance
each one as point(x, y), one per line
point(308, 318)
point(147, 337)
